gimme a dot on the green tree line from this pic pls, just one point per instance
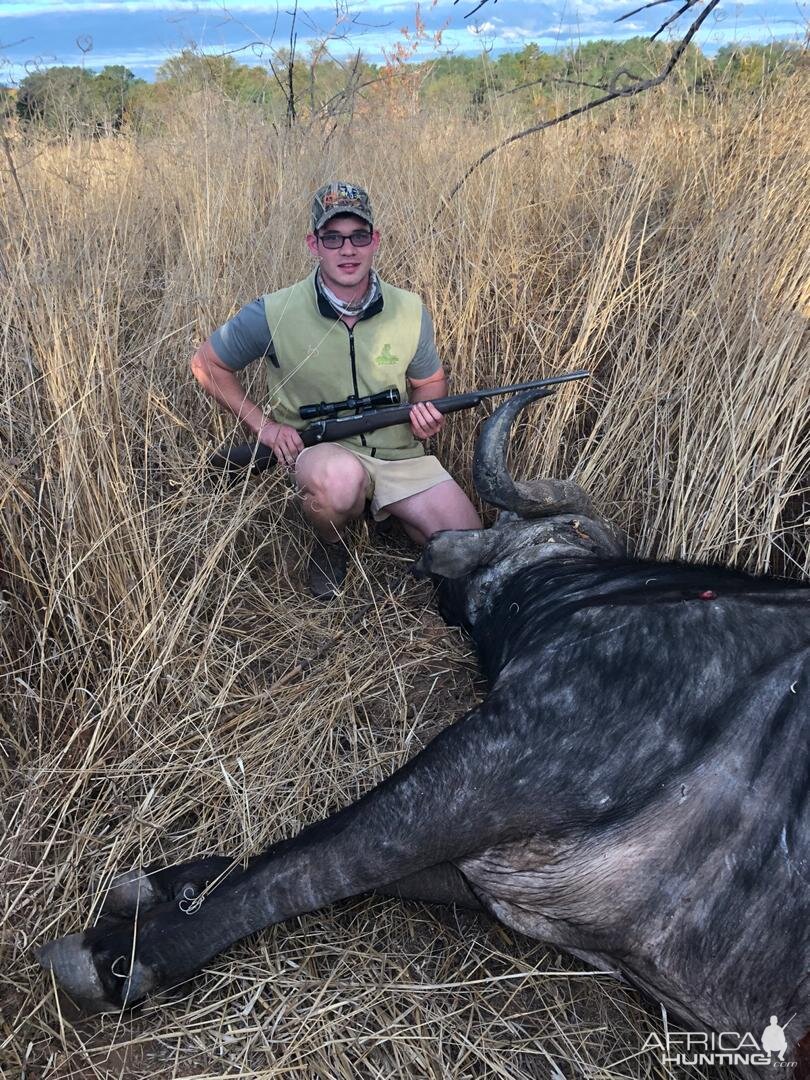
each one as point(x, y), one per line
point(65, 99)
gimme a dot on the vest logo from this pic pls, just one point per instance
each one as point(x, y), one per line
point(386, 357)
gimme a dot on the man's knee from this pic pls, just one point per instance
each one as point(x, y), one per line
point(444, 506)
point(335, 482)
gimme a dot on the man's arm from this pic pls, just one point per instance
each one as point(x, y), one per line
point(426, 380)
point(222, 384)
point(426, 421)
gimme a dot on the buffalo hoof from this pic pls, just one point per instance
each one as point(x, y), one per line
point(97, 975)
point(129, 893)
point(140, 890)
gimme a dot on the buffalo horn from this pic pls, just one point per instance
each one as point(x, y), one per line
point(493, 482)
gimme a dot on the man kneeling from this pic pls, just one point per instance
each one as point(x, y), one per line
point(342, 331)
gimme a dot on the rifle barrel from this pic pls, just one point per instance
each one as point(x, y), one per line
point(552, 380)
point(232, 458)
point(472, 397)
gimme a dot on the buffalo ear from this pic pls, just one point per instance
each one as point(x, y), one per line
point(454, 553)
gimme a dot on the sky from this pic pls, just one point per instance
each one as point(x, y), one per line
point(141, 34)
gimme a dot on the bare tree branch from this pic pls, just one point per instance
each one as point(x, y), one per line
point(275, 75)
point(355, 89)
point(630, 14)
point(290, 68)
point(571, 82)
point(644, 7)
point(13, 44)
point(638, 87)
point(614, 82)
point(480, 5)
point(673, 18)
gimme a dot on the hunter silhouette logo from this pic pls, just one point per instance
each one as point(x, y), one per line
point(723, 1047)
point(773, 1039)
point(386, 356)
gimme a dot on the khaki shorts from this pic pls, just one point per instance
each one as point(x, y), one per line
point(390, 481)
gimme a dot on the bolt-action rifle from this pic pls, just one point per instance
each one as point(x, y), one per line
point(367, 417)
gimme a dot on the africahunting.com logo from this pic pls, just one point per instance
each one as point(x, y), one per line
point(722, 1047)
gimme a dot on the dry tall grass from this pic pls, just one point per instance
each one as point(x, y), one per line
point(166, 688)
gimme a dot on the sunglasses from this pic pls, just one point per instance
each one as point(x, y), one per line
point(334, 240)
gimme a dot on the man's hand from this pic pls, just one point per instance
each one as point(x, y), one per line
point(426, 419)
point(284, 441)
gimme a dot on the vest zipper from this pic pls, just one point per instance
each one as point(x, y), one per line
point(355, 387)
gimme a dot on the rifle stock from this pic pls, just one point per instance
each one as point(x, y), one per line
point(259, 457)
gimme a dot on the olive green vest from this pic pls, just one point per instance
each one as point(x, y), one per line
point(320, 359)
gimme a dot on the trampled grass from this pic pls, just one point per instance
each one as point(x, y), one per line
point(167, 688)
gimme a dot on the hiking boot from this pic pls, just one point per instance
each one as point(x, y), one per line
point(327, 569)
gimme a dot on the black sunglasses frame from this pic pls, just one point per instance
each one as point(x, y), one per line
point(351, 236)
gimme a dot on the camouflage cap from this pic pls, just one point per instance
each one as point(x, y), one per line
point(338, 197)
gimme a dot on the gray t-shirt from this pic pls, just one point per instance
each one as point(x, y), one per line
point(246, 337)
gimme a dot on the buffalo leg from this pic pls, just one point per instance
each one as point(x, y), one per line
point(442, 884)
point(140, 890)
point(464, 793)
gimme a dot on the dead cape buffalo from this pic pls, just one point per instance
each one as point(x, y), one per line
point(634, 789)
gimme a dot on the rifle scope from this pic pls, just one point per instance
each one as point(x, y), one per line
point(332, 408)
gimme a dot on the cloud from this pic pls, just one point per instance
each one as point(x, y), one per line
point(603, 7)
point(518, 33)
point(144, 60)
point(142, 33)
point(482, 28)
point(405, 5)
point(19, 9)
point(26, 9)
